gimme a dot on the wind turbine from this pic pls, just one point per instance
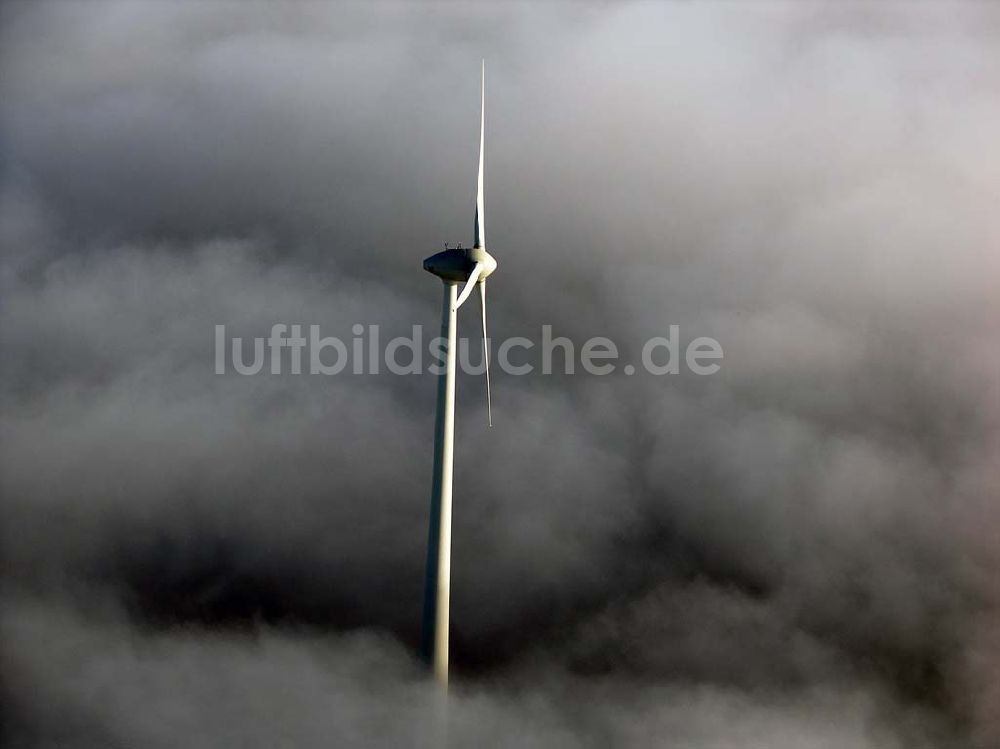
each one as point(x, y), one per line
point(454, 267)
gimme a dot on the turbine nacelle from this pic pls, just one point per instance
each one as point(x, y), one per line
point(451, 266)
point(457, 265)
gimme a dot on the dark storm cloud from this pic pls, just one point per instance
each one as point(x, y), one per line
point(794, 550)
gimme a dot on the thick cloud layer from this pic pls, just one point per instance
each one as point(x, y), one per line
point(796, 551)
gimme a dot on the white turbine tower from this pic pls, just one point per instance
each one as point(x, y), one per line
point(470, 267)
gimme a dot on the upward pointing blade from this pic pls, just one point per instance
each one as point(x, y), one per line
point(480, 202)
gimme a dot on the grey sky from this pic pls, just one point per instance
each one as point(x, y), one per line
point(798, 551)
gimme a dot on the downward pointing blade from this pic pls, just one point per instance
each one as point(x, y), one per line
point(480, 200)
point(473, 277)
point(486, 352)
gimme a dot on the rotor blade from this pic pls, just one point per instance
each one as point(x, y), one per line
point(473, 277)
point(480, 200)
point(486, 352)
